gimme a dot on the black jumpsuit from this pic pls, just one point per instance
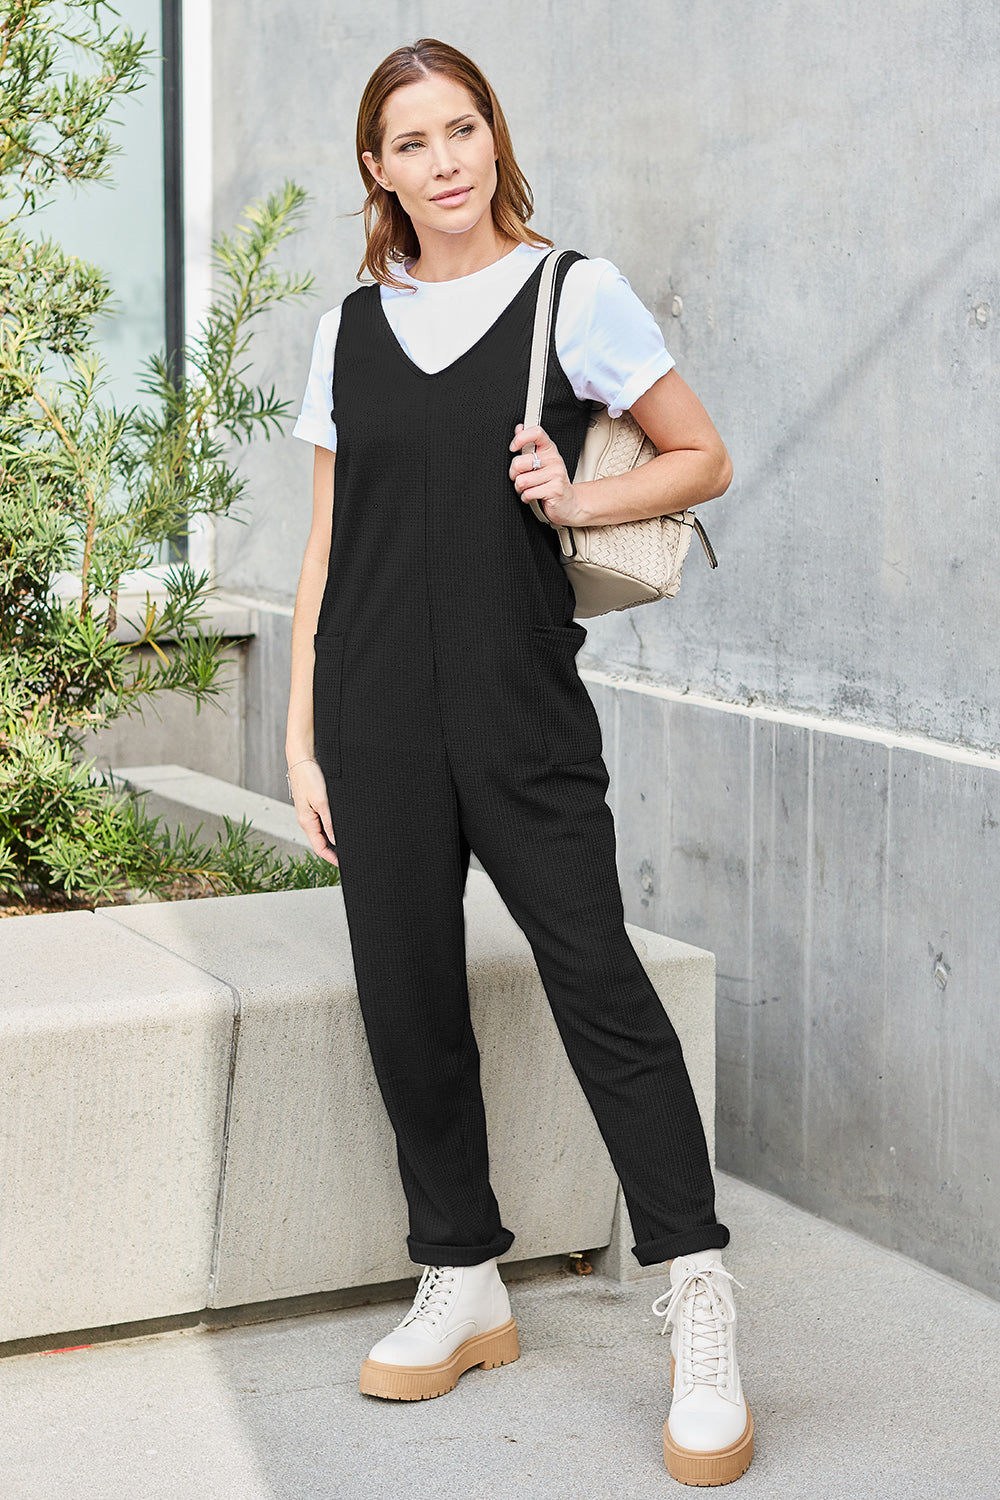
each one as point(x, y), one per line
point(449, 714)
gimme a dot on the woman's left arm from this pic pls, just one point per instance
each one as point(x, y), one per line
point(692, 465)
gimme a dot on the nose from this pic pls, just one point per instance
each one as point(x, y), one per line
point(444, 163)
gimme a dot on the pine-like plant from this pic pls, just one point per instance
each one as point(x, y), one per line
point(89, 493)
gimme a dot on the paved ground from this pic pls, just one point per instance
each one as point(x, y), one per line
point(868, 1377)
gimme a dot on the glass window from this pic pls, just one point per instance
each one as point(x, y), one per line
point(119, 225)
point(131, 225)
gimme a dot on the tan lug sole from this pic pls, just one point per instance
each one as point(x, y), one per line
point(401, 1383)
point(688, 1466)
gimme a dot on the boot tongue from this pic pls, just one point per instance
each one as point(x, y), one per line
point(708, 1335)
point(432, 1295)
point(700, 1260)
point(700, 1294)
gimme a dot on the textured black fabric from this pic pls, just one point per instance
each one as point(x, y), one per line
point(450, 713)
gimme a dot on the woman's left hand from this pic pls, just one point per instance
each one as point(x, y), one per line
point(548, 482)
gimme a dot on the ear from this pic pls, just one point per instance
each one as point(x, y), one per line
point(375, 168)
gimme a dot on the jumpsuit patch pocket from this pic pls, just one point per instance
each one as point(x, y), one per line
point(328, 674)
point(569, 723)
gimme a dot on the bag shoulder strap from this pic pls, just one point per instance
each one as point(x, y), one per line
point(540, 340)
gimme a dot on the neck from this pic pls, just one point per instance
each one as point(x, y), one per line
point(446, 257)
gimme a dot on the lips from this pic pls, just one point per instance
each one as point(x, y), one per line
point(453, 195)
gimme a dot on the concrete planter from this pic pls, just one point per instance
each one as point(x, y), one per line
point(190, 1117)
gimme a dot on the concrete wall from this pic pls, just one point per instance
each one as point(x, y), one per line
point(815, 183)
point(849, 884)
point(815, 186)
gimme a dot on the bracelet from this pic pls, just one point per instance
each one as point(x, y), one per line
point(291, 768)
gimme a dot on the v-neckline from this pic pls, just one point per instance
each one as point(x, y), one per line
point(446, 369)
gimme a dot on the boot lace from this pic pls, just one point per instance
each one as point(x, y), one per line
point(702, 1307)
point(433, 1295)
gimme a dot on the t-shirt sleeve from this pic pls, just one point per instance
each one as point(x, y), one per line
point(315, 422)
point(608, 342)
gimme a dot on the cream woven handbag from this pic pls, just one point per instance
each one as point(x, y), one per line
point(633, 562)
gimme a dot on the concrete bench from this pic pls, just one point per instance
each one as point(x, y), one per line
point(191, 1119)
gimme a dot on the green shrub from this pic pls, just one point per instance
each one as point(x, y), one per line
point(90, 493)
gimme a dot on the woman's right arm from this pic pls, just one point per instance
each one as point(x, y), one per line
point(308, 784)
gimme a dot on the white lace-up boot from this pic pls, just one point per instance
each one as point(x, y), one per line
point(708, 1436)
point(460, 1317)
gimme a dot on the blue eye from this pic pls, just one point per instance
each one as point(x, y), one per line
point(461, 132)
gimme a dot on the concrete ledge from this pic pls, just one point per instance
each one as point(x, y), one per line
point(115, 1074)
point(193, 1120)
point(185, 797)
point(230, 615)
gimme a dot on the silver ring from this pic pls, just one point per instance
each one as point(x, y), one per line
point(536, 462)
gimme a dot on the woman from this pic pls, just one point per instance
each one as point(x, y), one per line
point(436, 708)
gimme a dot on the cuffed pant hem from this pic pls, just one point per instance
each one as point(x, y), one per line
point(458, 1255)
point(711, 1237)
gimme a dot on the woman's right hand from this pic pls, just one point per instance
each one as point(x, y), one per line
point(312, 808)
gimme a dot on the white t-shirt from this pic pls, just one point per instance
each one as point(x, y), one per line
point(607, 341)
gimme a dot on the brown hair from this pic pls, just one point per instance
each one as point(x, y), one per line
point(389, 231)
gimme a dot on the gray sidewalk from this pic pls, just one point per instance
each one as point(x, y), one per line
point(868, 1376)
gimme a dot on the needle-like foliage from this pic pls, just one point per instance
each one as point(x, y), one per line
point(90, 493)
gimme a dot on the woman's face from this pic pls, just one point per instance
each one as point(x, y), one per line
point(438, 156)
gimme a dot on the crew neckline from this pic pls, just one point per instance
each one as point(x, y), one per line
point(425, 286)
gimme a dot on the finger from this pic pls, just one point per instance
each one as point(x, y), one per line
point(323, 808)
point(325, 843)
point(540, 492)
point(322, 850)
point(530, 485)
point(321, 846)
point(553, 472)
point(523, 435)
point(312, 826)
point(524, 463)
